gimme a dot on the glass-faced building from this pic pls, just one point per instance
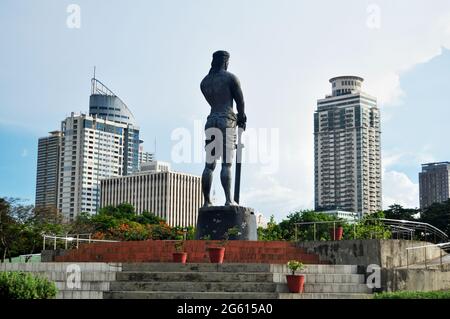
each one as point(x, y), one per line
point(103, 103)
point(347, 153)
point(94, 146)
point(434, 183)
point(48, 170)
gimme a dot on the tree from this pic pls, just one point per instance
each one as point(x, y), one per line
point(398, 212)
point(271, 232)
point(438, 215)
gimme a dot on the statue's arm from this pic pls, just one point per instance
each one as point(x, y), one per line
point(239, 99)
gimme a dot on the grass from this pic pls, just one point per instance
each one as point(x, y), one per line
point(414, 295)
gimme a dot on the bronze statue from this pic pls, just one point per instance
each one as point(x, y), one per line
point(220, 88)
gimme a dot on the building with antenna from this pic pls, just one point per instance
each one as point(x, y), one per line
point(90, 147)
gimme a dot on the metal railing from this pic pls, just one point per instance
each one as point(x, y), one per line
point(424, 247)
point(75, 238)
point(397, 227)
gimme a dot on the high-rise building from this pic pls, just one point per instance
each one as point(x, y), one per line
point(347, 153)
point(47, 170)
point(145, 157)
point(103, 103)
point(102, 144)
point(92, 149)
point(173, 196)
point(434, 184)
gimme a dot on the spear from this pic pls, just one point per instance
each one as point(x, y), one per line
point(237, 180)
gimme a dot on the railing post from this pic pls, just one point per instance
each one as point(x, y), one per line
point(296, 232)
point(89, 238)
point(407, 259)
point(354, 231)
point(334, 230)
point(54, 243)
point(425, 251)
point(78, 240)
point(43, 245)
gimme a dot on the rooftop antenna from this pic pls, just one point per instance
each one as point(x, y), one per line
point(94, 71)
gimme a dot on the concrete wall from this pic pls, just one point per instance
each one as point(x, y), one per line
point(385, 253)
point(95, 278)
point(414, 279)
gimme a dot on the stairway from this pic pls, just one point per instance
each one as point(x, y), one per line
point(233, 281)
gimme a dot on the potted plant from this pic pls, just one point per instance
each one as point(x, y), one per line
point(217, 253)
point(295, 282)
point(336, 233)
point(179, 256)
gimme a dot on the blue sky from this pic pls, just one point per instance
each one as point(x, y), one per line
point(153, 54)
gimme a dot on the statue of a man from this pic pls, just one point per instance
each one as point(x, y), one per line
point(220, 88)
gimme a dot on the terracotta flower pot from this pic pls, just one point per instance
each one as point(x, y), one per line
point(295, 283)
point(336, 234)
point(216, 254)
point(179, 257)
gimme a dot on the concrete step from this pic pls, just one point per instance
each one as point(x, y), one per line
point(325, 296)
point(194, 267)
point(242, 267)
point(235, 277)
point(332, 288)
point(60, 266)
point(85, 275)
point(209, 276)
point(227, 295)
point(254, 287)
point(84, 285)
point(187, 295)
point(79, 294)
point(326, 278)
point(317, 269)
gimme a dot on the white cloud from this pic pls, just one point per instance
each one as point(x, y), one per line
point(399, 189)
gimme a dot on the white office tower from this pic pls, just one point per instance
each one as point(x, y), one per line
point(347, 152)
point(173, 196)
point(92, 149)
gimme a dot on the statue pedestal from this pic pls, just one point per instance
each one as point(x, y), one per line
point(215, 221)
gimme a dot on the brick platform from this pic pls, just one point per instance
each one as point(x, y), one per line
point(271, 252)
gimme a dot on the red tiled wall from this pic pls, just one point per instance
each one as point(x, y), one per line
point(275, 252)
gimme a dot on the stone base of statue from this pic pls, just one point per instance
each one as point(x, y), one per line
point(213, 222)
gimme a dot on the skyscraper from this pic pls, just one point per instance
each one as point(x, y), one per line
point(104, 104)
point(47, 170)
point(347, 154)
point(103, 144)
point(145, 157)
point(434, 183)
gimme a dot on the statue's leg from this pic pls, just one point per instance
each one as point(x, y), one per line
point(227, 160)
point(225, 178)
point(207, 182)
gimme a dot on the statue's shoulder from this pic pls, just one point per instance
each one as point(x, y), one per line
point(234, 80)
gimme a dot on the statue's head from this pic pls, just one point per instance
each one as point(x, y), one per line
point(220, 60)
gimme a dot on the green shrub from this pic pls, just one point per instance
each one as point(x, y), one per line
point(20, 285)
point(413, 295)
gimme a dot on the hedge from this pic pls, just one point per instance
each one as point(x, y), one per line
point(414, 295)
point(21, 285)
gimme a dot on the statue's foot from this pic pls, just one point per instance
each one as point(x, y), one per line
point(207, 204)
point(230, 203)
